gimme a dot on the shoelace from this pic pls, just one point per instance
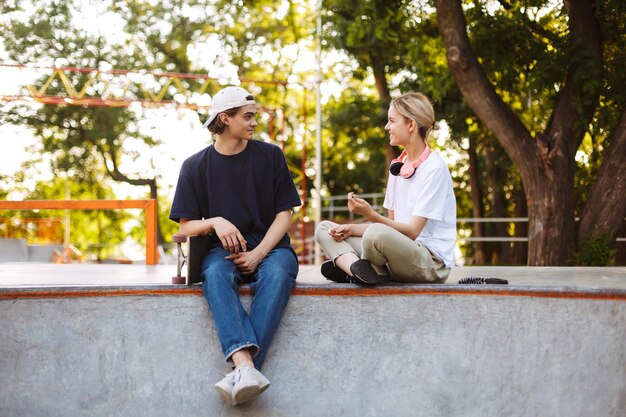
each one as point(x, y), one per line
point(239, 373)
point(229, 378)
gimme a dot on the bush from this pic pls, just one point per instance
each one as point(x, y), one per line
point(596, 251)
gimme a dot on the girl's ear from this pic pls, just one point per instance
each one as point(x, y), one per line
point(412, 124)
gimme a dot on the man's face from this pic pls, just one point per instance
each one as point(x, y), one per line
point(241, 125)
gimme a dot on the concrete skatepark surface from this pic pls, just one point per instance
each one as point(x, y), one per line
point(31, 274)
point(104, 340)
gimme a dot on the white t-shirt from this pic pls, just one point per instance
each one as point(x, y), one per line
point(428, 193)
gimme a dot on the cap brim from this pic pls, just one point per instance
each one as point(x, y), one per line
point(209, 120)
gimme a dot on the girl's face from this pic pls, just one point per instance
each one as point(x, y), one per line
point(399, 128)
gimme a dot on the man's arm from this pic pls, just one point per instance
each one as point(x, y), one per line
point(275, 233)
point(195, 227)
point(228, 234)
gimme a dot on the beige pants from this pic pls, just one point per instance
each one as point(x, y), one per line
point(387, 249)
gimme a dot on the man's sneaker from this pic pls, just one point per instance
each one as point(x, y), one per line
point(365, 273)
point(225, 388)
point(248, 384)
point(264, 383)
point(333, 273)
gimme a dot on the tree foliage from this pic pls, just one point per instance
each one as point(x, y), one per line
point(82, 142)
point(540, 105)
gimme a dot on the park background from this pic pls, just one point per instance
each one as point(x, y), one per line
point(530, 92)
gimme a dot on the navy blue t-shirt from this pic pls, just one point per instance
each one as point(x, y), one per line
point(247, 189)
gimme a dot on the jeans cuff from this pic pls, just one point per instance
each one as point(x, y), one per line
point(239, 346)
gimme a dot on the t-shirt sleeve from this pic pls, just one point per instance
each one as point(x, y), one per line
point(431, 197)
point(185, 204)
point(285, 193)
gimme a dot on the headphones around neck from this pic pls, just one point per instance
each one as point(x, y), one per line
point(406, 170)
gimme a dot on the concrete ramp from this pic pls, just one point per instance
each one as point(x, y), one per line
point(18, 250)
point(342, 350)
point(14, 250)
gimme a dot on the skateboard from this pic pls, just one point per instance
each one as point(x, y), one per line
point(197, 247)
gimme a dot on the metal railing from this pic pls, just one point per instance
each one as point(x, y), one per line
point(330, 210)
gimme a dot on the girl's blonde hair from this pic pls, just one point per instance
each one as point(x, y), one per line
point(417, 106)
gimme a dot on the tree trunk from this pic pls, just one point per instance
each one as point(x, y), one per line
point(605, 209)
point(550, 218)
point(118, 176)
point(620, 249)
point(546, 166)
point(497, 253)
point(519, 253)
point(478, 210)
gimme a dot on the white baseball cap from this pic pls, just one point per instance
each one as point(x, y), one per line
point(226, 99)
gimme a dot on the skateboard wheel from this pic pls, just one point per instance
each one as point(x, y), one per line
point(179, 238)
point(178, 280)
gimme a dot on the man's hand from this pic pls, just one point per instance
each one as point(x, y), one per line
point(247, 262)
point(232, 240)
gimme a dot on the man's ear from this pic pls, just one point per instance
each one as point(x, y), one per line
point(223, 118)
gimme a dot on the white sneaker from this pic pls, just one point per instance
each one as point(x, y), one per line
point(248, 384)
point(225, 388)
point(264, 383)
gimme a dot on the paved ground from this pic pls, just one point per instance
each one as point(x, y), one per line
point(13, 275)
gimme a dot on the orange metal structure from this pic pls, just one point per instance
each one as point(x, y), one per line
point(120, 88)
point(123, 88)
point(49, 230)
point(149, 207)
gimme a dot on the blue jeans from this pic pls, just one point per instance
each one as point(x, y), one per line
point(271, 287)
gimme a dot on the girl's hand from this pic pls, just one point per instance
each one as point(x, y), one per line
point(341, 232)
point(360, 206)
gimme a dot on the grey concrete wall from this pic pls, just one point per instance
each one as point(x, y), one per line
point(416, 355)
point(18, 250)
point(13, 250)
point(43, 253)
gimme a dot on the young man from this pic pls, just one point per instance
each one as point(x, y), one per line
point(240, 191)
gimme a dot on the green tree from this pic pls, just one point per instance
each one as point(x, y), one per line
point(354, 145)
point(377, 35)
point(85, 140)
point(570, 54)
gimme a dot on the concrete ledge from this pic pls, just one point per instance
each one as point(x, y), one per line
point(326, 290)
point(421, 350)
